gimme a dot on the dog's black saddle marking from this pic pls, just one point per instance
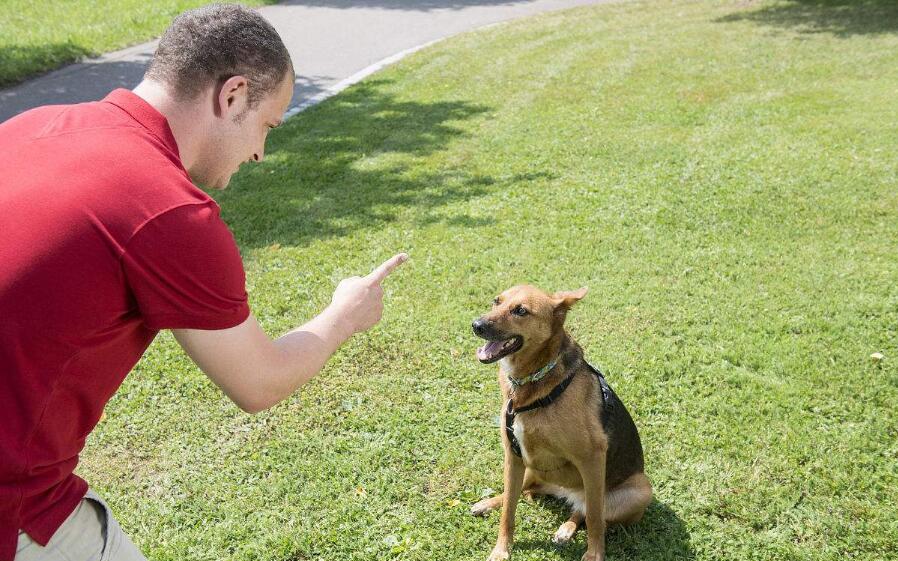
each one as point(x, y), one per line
point(511, 412)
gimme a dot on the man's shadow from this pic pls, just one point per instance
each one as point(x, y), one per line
point(661, 535)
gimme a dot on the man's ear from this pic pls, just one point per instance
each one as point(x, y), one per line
point(567, 298)
point(232, 97)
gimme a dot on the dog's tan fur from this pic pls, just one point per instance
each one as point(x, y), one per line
point(563, 445)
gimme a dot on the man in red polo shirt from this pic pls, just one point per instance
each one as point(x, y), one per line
point(105, 240)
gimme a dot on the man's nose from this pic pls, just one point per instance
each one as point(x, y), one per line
point(480, 326)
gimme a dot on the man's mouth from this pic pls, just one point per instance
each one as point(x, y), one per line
point(494, 350)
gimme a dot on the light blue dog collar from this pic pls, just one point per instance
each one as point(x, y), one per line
point(535, 377)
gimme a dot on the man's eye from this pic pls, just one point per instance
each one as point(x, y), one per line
point(519, 311)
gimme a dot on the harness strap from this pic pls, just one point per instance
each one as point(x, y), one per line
point(511, 412)
point(509, 430)
point(607, 402)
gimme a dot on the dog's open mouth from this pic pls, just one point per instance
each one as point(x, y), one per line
point(494, 350)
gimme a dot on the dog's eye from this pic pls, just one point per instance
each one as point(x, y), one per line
point(519, 311)
point(496, 301)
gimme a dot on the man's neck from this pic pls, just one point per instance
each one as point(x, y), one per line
point(184, 118)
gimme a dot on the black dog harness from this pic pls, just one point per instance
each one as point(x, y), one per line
point(511, 412)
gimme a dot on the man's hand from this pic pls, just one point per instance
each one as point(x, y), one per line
point(358, 301)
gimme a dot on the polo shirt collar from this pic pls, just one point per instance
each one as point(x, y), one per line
point(146, 115)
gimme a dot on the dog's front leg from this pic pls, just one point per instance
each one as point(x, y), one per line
point(592, 471)
point(514, 482)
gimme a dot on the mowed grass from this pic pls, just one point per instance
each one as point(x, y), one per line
point(41, 35)
point(721, 175)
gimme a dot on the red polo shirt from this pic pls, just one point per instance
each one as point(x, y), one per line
point(104, 241)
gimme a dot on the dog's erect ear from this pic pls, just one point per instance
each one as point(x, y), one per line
point(567, 298)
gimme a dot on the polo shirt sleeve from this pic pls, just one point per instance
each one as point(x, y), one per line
point(185, 271)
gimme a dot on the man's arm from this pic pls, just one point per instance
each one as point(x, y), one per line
point(257, 372)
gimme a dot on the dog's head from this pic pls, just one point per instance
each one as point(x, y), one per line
point(523, 318)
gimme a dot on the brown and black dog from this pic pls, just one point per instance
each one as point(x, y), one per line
point(565, 431)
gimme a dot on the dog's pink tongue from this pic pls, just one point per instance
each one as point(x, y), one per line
point(487, 351)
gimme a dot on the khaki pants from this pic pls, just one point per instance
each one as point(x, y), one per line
point(90, 533)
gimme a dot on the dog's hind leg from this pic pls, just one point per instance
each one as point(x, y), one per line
point(626, 503)
point(533, 487)
point(567, 530)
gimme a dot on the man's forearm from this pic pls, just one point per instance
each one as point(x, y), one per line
point(305, 350)
point(257, 372)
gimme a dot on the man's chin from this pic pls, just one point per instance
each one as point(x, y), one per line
point(218, 183)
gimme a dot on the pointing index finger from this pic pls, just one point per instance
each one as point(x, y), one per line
point(387, 267)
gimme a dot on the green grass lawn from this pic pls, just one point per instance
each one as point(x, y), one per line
point(40, 35)
point(722, 175)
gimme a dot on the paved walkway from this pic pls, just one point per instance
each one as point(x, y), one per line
point(333, 43)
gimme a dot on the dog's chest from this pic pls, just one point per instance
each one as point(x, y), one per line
point(536, 450)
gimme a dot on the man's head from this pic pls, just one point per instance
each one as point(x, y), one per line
point(231, 64)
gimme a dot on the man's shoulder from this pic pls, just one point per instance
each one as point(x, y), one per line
point(54, 120)
point(100, 164)
point(82, 133)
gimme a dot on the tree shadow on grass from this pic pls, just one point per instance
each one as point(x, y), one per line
point(843, 18)
point(354, 162)
point(661, 535)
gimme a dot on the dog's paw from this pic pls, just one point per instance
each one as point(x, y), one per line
point(565, 532)
point(484, 507)
point(498, 555)
point(592, 556)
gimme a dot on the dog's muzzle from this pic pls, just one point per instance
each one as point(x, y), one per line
point(482, 327)
point(498, 344)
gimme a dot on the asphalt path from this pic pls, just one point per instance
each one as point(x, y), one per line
point(333, 43)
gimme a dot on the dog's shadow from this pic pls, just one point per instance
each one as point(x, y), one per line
point(661, 535)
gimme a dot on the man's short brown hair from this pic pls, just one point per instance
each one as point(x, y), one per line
point(208, 45)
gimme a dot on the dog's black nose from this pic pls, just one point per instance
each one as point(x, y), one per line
point(479, 326)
